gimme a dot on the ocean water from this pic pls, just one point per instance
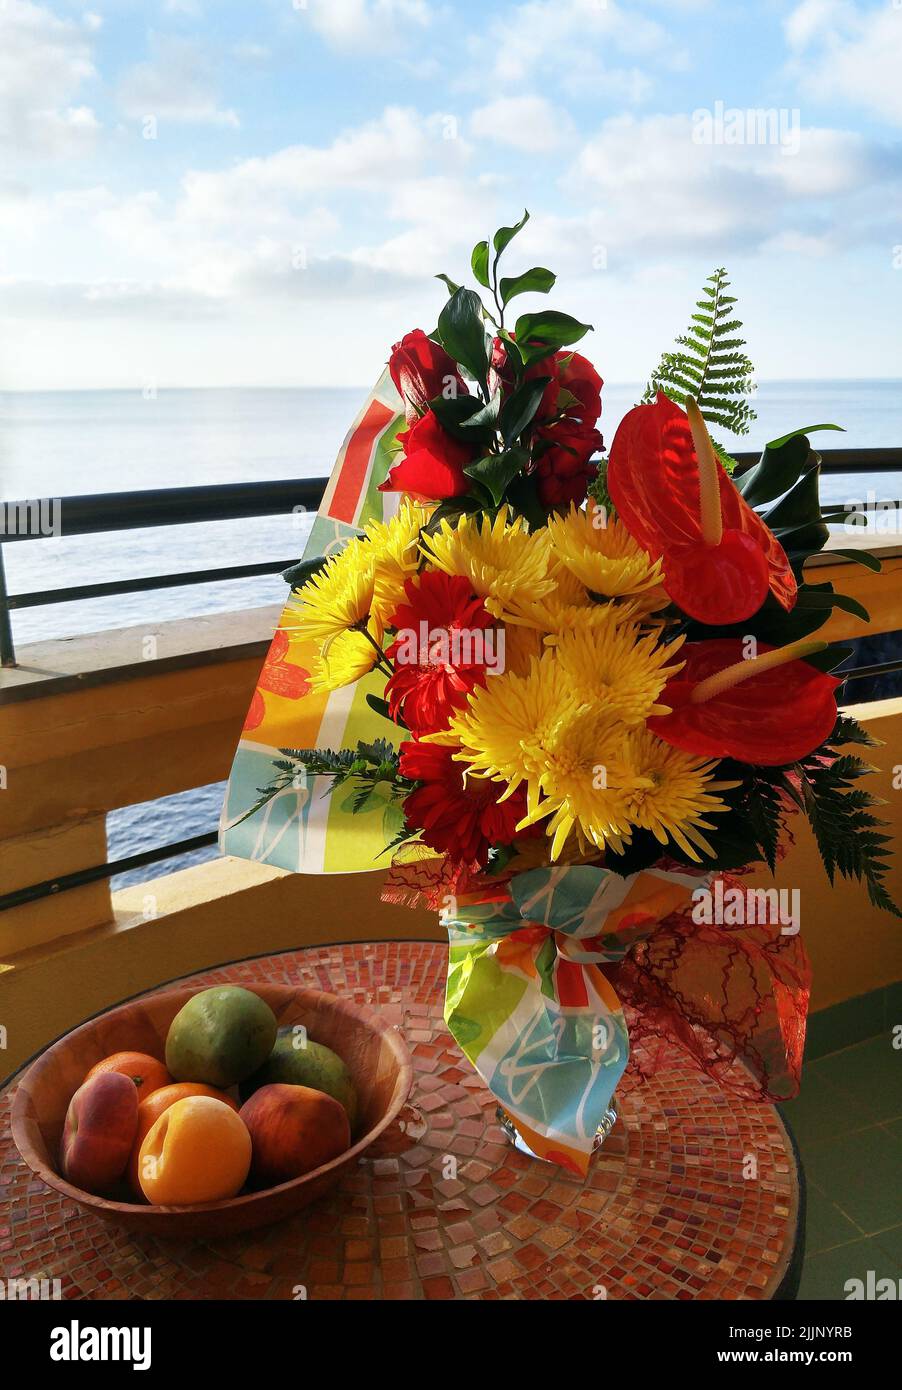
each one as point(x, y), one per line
point(59, 444)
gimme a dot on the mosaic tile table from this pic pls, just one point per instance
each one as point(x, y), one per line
point(444, 1207)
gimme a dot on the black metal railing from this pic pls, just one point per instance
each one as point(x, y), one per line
point(120, 511)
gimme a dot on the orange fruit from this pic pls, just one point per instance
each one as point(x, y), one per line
point(199, 1150)
point(148, 1073)
point(150, 1110)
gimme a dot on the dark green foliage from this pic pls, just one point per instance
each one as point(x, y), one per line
point(370, 764)
point(850, 839)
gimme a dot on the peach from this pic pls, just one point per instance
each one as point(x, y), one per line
point(199, 1150)
point(150, 1110)
point(294, 1129)
point(101, 1123)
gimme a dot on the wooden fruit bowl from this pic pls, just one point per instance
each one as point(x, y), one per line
point(373, 1052)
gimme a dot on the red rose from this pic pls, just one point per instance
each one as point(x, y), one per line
point(421, 370)
point(458, 817)
point(433, 462)
point(564, 471)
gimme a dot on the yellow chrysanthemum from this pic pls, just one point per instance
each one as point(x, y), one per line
point(337, 598)
point(521, 645)
point(501, 559)
point(603, 557)
point(613, 666)
point(670, 792)
point(582, 780)
point(395, 548)
point(344, 659)
point(503, 730)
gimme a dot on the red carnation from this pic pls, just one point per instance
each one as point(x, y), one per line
point(439, 651)
point(564, 471)
point(421, 370)
point(457, 816)
point(433, 464)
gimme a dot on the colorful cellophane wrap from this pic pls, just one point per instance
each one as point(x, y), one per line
point(552, 970)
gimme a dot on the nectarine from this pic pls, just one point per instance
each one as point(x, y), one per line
point(99, 1131)
point(294, 1129)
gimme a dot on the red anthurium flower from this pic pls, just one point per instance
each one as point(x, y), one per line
point(422, 369)
point(678, 502)
point(457, 817)
point(445, 644)
point(769, 710)
point(433, 462)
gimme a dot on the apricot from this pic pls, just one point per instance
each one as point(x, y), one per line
point(148, 1073)
point(198, 1150)
point(294, 1129)
point(99, 1131)
point(150, 1110)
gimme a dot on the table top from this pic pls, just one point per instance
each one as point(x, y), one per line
point(694, 1194)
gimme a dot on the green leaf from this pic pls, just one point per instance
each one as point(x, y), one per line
point(451, 510)
point(505, 235)
point(479, 261)
point(861, 557)
point(297, 575)
point(535, 281)
point(496, 471)
point(453, 287)
point(807, 429)
point(462, 332)
point(708, 363)
point(460, 416)
point(540, 334)
point(520, 407)
point(523, 495)
point(830, 658)
point(380, 706)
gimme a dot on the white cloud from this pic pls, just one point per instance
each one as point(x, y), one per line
point(850, 55)
point(44, 62)
point(529, 123)
point(365, 25)
point(654, 191)
point(174, 85)
point(599, 48)
point(374, 158)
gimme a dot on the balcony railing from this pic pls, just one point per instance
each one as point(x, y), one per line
point(87, 515)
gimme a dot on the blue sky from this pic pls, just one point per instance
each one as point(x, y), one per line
point(201, 192)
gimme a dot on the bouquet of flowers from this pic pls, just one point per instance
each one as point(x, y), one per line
point(566, 694)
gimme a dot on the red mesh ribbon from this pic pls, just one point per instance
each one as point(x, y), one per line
point(735, 998)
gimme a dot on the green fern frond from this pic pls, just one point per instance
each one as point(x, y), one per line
point(709, 364)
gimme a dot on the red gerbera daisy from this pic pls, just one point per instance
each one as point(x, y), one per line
point(457, 816)
point(444, 635)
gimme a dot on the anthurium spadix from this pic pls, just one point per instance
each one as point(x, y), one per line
point(770, 709)
point(679, 503)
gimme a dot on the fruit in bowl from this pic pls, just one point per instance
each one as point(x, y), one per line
point(150, 1110)
point(293, 1130)
point(297, 1060)
point(220, 1036)
point(101, 1123)
point(147, 1073)
point(199, 1150)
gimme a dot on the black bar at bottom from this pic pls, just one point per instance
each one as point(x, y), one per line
point(51, 886)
